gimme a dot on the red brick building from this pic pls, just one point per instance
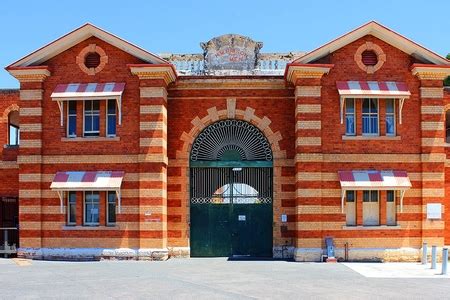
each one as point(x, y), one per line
point(123, 153)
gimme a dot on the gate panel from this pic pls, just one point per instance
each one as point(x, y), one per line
point(231, 211)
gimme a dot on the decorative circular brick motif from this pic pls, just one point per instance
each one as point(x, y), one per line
point(370, 57)
point(92, 59)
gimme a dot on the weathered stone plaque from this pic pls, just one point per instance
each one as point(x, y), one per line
point(231, 52)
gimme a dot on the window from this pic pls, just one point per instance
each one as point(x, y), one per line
point(350, 208)
point(390, 117)
point(390, 208)
point(72, 208)
point(111, 118)
point(91, 208)
point(72, 119)
point(350, 128)
point(370, 117)
point(371, 213)
point(111, 208)
point(91, 118)
point(13, 128)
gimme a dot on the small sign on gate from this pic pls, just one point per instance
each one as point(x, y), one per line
point(241, 217)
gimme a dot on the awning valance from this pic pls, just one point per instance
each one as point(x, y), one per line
point(88, 91)
point(373, 89)
point(396, 180)
point(87, 181)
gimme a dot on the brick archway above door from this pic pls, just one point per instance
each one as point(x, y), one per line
point(214, 115)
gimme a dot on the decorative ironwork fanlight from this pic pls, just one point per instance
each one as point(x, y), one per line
point(231, 140)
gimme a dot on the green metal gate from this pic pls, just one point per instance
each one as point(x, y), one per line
point(231, 212)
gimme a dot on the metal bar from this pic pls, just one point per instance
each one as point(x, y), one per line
point(433, 256)
point(231, 164)
point(424, 253)
point(444, 260)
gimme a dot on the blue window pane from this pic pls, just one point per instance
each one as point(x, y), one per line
point(389, 106)
point(365, 124)
point(373, 106)
point(95, 123)
point(111, 106)
point(366, 105)
point(72, 107)
point(87, 123)
point(88, 105)
point(349, 105)
point(72, 125)
point(374, 124)
point(112, 125)
point(350, 125)
point(390, 125)
point(96, 105)
point(366, 196)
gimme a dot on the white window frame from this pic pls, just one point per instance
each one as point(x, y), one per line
point(68, 119)
point(393, 115)
point(84, 209)
point(108, 114)
point(107, 208)
point(394, 203)
point(351, 114)
point(84, 120)
point(68, 209)
point(370, 114)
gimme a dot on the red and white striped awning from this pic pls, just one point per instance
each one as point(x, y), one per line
point(374, 180)
point(88, 91)
point(87, 181)
point(376, 89)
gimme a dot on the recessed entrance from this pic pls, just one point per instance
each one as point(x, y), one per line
point(231, 205)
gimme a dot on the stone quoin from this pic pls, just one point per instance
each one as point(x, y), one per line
point(113, 152)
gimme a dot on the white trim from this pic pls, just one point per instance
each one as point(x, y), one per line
point(80, 34)
point(383, 33)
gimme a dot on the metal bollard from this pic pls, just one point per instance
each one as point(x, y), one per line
point(424, 254)
point(433, 257)
point(444, 261)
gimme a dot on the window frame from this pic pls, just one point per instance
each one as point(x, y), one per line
point(369, 115)
point(370, 195)
point(350, 114)
point(68, 119)
point(17, 131)
point(390, 114)
point(108, 222)
point(69, 223)
point(108, 115)
point(92, 115)
point(91, 224)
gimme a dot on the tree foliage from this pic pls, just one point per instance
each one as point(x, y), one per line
point(447, 80)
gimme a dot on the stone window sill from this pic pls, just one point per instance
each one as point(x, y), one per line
point(91, 139)
point(381, 227)
point(67, 227)
point(370, 137)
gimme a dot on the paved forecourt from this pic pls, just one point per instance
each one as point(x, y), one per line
point(214, 278)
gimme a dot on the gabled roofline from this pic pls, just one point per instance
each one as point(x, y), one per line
point(78, 35)
point(383, 33)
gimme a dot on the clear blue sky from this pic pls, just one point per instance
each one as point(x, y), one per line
point(179, 26)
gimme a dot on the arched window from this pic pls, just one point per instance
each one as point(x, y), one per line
point(13, 128)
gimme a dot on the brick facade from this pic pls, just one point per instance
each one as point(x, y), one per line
point(163, 114)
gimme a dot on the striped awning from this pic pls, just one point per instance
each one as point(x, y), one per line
point(374, 180)
point(377, 89)
point(87, 181)
point(88, 91)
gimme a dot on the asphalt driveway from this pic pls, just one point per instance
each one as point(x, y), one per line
point(215, 278)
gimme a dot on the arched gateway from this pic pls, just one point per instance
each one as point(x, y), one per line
point(231, 191)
